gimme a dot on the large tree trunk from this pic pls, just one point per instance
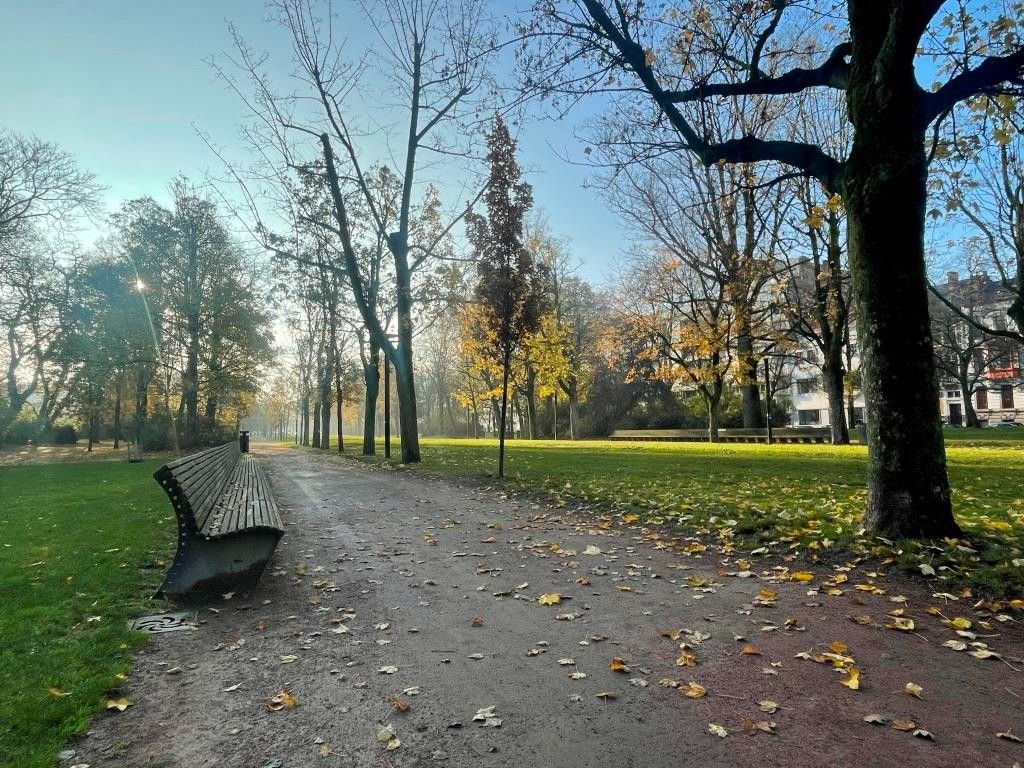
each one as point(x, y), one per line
point(531, 402)
point(967, 388)
point(405, 381)
point(317, 406)
point(117, 411)
point(714, 407)
point(885, 195)
point(501, 417)
point(371, 380)
point(340, 405)
point(746, 373)
point(833, 378)
point(573, 393)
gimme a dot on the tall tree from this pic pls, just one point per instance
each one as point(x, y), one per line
point(690, 55)
point(435, 53)
point(507, 277)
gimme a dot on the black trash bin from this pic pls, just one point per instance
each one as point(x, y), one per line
point(243, 441)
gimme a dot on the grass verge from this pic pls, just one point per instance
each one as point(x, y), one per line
point(82, 547)
point(790, 499)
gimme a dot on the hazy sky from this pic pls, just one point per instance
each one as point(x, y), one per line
point(122, 83)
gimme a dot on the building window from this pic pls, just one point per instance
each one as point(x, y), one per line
point(981, 397)
point(952, 394)
point(806, 386)
point(809, 418)
point(1006, 396)
point(858, 415)
point(811, 355)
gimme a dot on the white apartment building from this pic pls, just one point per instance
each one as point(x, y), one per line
point(999, 396)
point(809, 403)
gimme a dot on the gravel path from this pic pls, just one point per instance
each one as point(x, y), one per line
point(393, 571)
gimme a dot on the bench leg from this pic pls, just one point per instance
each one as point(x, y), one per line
point(211, 566)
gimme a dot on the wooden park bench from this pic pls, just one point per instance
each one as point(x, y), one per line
point(228, 522)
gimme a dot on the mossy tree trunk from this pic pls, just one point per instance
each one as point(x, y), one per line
point(885, 194)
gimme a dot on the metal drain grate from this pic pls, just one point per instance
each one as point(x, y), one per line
point(164, 622)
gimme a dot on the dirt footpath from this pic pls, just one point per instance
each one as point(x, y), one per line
point(391, 591)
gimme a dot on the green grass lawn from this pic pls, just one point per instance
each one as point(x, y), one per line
point(801, 498)
point(82, 547)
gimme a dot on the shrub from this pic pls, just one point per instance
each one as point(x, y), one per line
point(65, 434)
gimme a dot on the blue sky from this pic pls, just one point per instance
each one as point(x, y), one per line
point(120, 85)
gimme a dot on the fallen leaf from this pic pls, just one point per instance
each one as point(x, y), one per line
point(956, 645)
point(388, 670)
point(983, 653)
point(768, 706)
point(119, 704)
point(283, 699)
point(852, 680)
point(325, 750)
point(913, 689)
point(1010, 737)
point(605, 695)
point(802, 576)
point(398, 703)
point(750, 650)
point(592, 550)
point(618, 665)
point(686, 659)
point(904, 725)
point(901, 624)
point(765, 726)
point(717, 730)
point(875, 719)
point(550, 599)
point(289, 659)
point(231, 688)
point(386, 736)
point(694, 690)
point(566, 662)
point(58, 693)
point(959, 623)
point(923, 734)
point(478, 621)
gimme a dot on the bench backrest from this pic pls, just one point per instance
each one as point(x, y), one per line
point(195, 483)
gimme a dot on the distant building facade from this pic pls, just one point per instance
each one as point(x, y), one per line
point(999, 392)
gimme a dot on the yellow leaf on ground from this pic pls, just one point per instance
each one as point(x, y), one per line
point(750, 650)
point(802, 576)
point(551, 599)
point(694, 690)
point(717, 730)
point(58, 693)
point(281, 700)
point(852, 680)
point(913, 689)
point(960, 623)
point(119, 704)
point(686, 659)
point(618, 665)
point(901, 624)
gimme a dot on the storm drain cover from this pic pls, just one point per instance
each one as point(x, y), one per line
point(164, 622)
